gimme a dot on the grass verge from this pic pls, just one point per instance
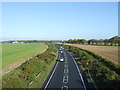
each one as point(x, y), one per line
point(24, 74)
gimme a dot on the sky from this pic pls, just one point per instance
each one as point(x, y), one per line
point(59, 20)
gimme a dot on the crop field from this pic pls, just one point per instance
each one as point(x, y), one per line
point(13, 54)
point(110, 52)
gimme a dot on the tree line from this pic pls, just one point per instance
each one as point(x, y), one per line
point(114, 41)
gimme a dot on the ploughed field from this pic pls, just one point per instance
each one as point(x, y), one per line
point(15, 53)
point(109, 52)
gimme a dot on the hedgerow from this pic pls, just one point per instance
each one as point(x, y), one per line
point(105, 73)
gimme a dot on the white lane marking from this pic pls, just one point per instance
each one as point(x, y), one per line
point(92, 80)
point(65, 78)
point(51, 76)
point(30, 82)
point(65, 57)
point(65, 65)
point(66, 70)
point(78, 71)
point(65, 88)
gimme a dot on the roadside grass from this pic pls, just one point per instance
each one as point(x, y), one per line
point(104, 73)
point(39, 81)
point(24, 74)
point(13, 53)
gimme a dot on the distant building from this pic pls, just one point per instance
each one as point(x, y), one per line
point(15, 42)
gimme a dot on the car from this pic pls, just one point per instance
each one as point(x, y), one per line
point(62, 59)
point(62, 48)
point(61, 51)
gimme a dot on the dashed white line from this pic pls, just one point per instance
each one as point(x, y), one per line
point(65, 65)
point(65, 88)
point(66, 70)
point(78, 71)
point(65, 57)
point(65, 78)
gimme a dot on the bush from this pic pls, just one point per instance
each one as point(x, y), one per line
point(31, 78)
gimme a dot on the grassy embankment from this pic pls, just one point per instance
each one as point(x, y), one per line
point(104, 73)
point(24, 74)
point(13, 54)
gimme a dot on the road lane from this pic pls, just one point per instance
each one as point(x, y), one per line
point(66, 74)
point(75, 80)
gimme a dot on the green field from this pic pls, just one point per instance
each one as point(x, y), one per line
point(13, 53)
point(27, 72)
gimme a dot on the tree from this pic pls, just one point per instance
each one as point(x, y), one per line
point(115, 40)
point(92, 41)
point(106, 42)
point(100, 41)
point(81, 41)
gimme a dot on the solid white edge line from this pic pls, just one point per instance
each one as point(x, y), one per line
point(92, 80)
point(53, 71)
point(78, 70)
point(51, 76)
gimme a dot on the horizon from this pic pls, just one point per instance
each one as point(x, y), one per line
point(59, 20)
point(49, 40)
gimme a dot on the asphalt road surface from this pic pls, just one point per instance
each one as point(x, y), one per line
point(65, 75)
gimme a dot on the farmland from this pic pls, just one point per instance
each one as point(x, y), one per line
point(110, 52)
point(14, 54)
